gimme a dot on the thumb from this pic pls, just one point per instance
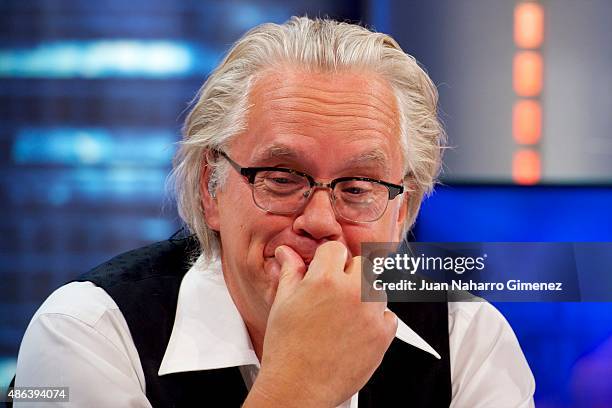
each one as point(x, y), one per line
point(292, 267)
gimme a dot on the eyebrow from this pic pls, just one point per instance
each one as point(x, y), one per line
point(375, 156)
point(276, 151)
point(372, 158)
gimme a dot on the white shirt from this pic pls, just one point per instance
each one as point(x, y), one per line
point(79, 339)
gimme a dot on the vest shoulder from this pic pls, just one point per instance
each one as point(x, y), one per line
point(171, 257)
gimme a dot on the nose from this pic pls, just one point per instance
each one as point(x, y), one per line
point(318, 219)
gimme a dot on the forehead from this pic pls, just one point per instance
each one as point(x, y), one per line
point(347, 116)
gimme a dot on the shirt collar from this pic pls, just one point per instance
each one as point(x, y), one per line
point(209, 332)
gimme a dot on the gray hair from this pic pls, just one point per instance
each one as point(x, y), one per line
point(220, 109)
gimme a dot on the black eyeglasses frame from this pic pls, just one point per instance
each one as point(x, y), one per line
point(250, 172)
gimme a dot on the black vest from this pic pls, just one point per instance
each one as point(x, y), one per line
point(145, 284)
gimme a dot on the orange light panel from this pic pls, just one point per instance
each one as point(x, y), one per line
point(527, 73)
point(526, 167)
point(527, 122)
point(528, 25)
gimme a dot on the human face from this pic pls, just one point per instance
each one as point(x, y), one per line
point(328, 125)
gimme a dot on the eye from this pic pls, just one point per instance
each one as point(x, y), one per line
point(281, 180)
point(355, 187)
point(354, 190)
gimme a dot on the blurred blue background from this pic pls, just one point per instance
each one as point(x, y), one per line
point(93, 95)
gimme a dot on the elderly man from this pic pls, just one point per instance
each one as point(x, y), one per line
point(309, 139)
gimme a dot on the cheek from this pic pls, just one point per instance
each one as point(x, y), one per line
point(235, 227)
point(245, 233)
point(386, 229)
point(238, 232)
point(357, 235)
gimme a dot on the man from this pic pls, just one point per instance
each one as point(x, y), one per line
point(310, 138)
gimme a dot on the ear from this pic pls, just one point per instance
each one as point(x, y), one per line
point(210, 204)
point(402, 214)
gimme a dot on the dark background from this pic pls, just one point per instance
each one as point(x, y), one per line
point(93, 94)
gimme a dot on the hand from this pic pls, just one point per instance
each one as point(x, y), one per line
point(322, 343)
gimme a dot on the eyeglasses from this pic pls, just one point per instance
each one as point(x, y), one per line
point(286, 191)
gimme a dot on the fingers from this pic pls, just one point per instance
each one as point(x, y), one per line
point(292, 267)
point(329, 258)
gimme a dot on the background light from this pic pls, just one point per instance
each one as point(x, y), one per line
point(526, 167)
point(528, 25)
point(527, 121)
